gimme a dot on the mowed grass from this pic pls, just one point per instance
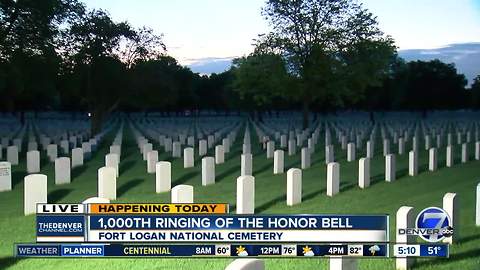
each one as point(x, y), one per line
point(135, 185)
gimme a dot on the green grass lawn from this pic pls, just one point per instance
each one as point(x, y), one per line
point(135, 185)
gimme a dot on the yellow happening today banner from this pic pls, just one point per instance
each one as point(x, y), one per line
point(157, 208)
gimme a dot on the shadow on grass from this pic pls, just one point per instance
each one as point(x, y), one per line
point(233, 155)
point(17, 177)
point(127, 186)
point(77, 171)
point(265, 206)
point(57, 195)
point(312, 195)
point(224, 174)
point(263, 169)
point(469, 238)
point(469, 254)
point(6, 262)
point(184, 178)
point(125, 166)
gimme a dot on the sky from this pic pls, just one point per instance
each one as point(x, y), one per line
point(212, 32)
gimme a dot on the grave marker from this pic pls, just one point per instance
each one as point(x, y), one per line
point(35, 191)
point(245, 195)
point(163, 176)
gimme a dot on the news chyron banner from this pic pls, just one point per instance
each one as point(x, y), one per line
point(185, 230)
point(70, 222)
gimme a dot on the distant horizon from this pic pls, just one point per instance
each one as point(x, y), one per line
point(466, 60)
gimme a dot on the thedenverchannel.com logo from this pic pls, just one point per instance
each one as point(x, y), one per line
point(433, 224)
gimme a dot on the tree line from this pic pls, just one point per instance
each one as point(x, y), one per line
point(319, 55)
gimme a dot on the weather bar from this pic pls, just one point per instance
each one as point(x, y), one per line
point(221, 250)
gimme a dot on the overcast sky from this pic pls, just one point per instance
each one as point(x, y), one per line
point(196, 30)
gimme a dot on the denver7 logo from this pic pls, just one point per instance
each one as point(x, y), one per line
point(436, 222)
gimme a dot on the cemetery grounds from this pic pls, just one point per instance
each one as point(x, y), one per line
point(135, 185)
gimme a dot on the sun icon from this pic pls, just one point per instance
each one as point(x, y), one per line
point(241, 251)
point(307, 251)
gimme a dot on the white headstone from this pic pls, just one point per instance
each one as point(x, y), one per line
point(246, 164)
point(208, 171)
point(432, 159)
point(390, 168)
point(333, 178)
point(246, 264)
point(219, 154)
point(305, 158)
point(292, 148)
point(52, 152)
point(364, 172)
point(33, 161)
point(405, 219)
point(65, 145)
point(477, 151)
point(5, 176)
point(62, 170)
point(245, 194)
point(401, 146)
point(35, 191)
point(87, 150)
point(107, 183)
point(270, 149)
point(177, 150)
point(464, 153)
point(77, 157)
point(350, 152)
point(278, 162)
point(226, 145)
point(12, 154)
point(146, 149)
point(449, 156)
point(168, 144)
point(246, 148)
point(182, 194)
point(152, 159)
point(283, 141)
point(477, 211)
point(188, 158)
point(116, 149)
point(343, 263)
point(95, 200)
point(294, 186)
point(112, 160)
point(451, 206)
point(163, 176)
point(202, 148)
point(412, 163)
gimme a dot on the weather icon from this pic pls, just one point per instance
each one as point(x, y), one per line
point(241, 251)
point(307, 251)
point(374, 249)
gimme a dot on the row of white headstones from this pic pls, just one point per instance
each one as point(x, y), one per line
point(35, 184)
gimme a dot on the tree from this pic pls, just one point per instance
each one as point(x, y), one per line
point(475, 93)
point(332, 48)
point(89, 46)
point(142, 45)
point(29, 62)
point(262, 76)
